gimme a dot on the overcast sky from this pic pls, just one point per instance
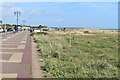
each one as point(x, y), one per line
point(63, 14)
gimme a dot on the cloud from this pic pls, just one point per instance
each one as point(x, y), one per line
point(8, 8)
point(10, 11)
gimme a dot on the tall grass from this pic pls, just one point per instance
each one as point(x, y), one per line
point(87, 56)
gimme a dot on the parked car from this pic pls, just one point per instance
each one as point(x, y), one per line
point(19, 28)
point(1, 30)
point(10, 29)
point(37, 30)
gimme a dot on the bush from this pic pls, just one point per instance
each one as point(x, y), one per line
point(39, 33)
point(40, 50)
point(32, 34)
point(45, 29)
point(44, 33)
point(86, 32)
point(55, 54)
point(48, 65)
point(35, 41)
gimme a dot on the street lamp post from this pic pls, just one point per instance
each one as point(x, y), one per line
point(17, 13)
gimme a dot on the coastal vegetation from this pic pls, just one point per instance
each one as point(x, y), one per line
point(78, 53)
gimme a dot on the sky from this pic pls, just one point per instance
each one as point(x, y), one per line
point(63, 14)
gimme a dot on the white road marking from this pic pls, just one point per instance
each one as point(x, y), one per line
point(18, 47)
point(21, 47)
point(23, 42)
point(8, 75)
point(16, 57)
point(10, 52)
point(4, 40)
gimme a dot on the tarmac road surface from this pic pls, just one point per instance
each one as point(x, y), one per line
point(16, 55)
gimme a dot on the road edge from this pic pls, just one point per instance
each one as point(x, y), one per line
point(36, 66)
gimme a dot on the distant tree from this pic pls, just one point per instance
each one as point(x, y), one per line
point(13, 24)
point(86, 32)
point(64, 29)
point(40, 26)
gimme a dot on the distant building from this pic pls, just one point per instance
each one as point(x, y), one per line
point(39, 28)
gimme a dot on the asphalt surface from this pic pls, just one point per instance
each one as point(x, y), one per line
point(16, 55)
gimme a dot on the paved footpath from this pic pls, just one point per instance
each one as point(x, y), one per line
point(16, 55)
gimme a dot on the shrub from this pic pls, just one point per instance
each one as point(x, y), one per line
point(35, 41)
point(76, 42)
point(88, 42)
point(40, 50)
point(44, 33)
point(32, 34)
point(49, 64)
point(39, 33)
point(86, 32)
point(55, 54)
point(45, 29)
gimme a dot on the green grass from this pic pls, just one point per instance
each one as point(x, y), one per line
point(78, 56)
point(30, 68)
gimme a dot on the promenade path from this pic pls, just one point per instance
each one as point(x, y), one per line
point(16, 55)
